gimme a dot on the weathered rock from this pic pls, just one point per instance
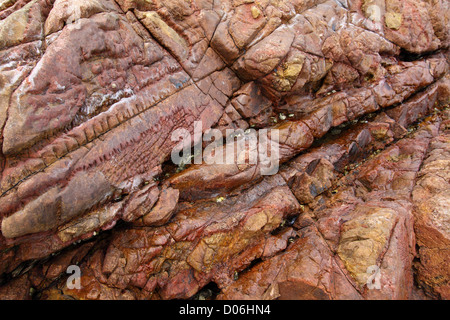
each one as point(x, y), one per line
point(353, 95)
point(307, 270)
point(361, 229)
point(174, 260)
point(431, 213)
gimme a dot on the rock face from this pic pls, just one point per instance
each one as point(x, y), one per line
point(355, 97)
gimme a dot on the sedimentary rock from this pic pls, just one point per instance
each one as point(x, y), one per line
point(349, 98)
point(431, 208)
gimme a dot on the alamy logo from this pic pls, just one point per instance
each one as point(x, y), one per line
point(249, 147)
point(74, 280)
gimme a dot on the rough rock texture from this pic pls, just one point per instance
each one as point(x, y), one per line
point(92, 92)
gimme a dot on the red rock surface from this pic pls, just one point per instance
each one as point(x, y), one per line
point(91, 92)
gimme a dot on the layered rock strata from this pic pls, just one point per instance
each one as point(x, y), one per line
point(93, 91)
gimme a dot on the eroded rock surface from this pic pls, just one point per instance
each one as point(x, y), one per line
point(93, 91)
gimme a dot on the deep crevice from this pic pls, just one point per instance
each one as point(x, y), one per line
point(208, 292)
